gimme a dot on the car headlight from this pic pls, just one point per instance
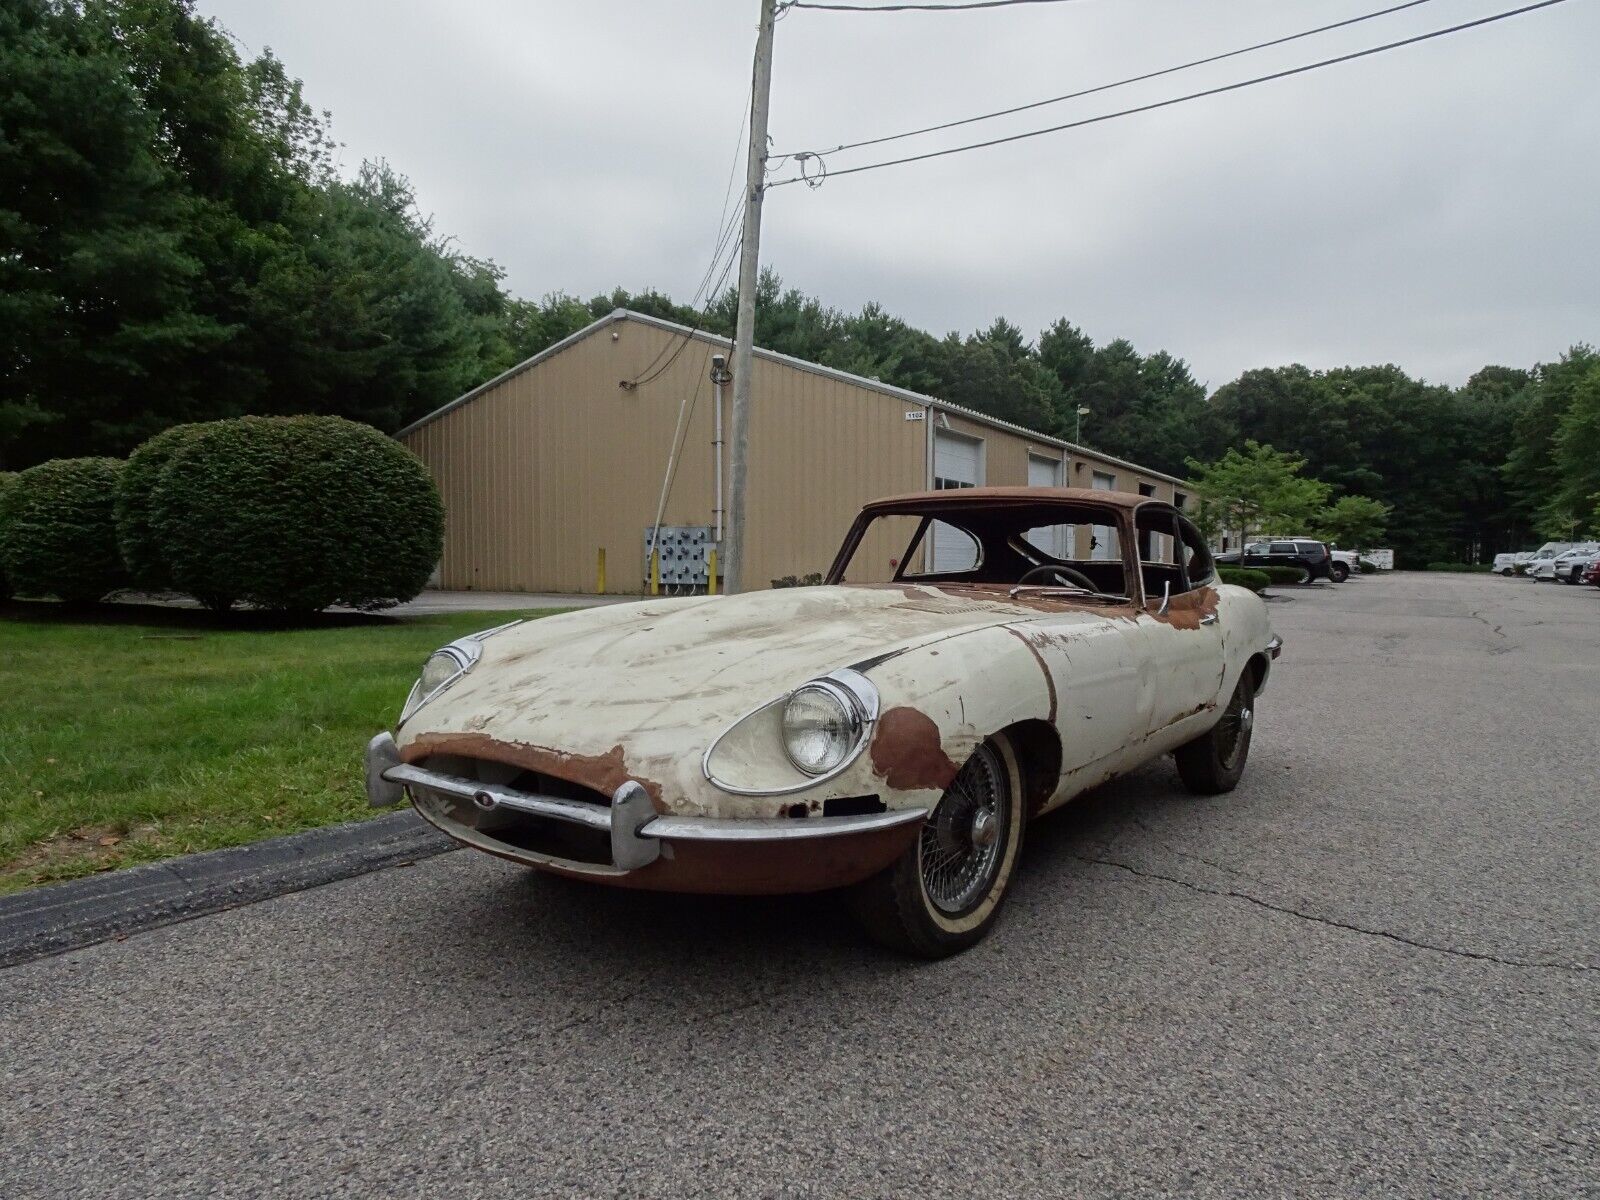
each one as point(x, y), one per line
point(446, 665)
point(822, 725)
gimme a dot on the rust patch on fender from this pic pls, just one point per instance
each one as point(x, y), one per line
point(602, 772)
point(1185, 611)
point(907, 752)
point(1049, 680)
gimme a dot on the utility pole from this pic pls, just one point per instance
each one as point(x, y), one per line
point(755, 182)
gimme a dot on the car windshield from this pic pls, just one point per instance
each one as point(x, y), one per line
point(1049, 543)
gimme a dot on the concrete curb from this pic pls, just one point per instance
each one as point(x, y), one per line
point(67, 916)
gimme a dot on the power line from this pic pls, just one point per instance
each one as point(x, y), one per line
point(895, 8)
point(695, 300)
point(685, 338)
point(1216, 91)
point(725, 231)
point(1106, 87)
point(733, 168)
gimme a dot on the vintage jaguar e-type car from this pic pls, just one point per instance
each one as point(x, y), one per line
point(892, 731)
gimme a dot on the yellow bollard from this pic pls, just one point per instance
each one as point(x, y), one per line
point(600, 573)
point(655, 572)
point(711, 571)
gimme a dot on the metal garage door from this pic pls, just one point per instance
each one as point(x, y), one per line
point(1057, 539)
point(1105, 537)
point(957, 463)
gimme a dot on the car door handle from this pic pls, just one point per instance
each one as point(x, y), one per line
point(1209, 619)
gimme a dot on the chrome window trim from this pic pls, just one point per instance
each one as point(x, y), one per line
point(863, 696)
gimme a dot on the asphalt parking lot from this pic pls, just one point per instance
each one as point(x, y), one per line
point(1372, 969)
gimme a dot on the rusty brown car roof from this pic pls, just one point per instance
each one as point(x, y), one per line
point(962, 496)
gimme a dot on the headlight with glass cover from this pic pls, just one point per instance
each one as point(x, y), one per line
point(446, 665)
point(821, 726)
point(797, 741)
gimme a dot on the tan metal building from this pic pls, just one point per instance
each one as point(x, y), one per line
point(558, 459)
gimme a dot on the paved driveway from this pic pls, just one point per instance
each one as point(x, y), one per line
point(1372, 969)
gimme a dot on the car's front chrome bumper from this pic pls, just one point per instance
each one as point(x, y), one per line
point(636, 830)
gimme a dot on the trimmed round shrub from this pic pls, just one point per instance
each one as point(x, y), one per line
point(1249, 577)
point(60, 536)
point(296, 514)
point(7, 481)
point(1284, 574)
point(141, 550)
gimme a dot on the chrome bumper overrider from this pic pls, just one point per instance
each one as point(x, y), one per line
point(636, 829)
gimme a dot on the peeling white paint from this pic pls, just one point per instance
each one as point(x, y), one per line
point(657, 681)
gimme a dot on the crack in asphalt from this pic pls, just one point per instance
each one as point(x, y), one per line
point(1228, 893)
point(1199, 858)
point(1498, 632)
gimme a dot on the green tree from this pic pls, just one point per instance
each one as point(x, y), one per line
point(175, 246)
point(1259, 490)
point(371, 315)
point(1571, 509)
point(989, 376)
point(534, 325)
point(1145, 408)
point(97, 285)
point(1353, 521)
point(1532, 471)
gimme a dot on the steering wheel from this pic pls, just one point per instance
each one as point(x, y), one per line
point(1071, 577)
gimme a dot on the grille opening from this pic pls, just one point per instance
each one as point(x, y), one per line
point(559, 839)
point(486, 771)
point(853, 806)
point(525, 831)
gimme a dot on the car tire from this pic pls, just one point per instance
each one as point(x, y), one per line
point(1339, 572)
point(1214, 761)
point(928, 905)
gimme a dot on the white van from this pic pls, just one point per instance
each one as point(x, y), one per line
point(1542, 564)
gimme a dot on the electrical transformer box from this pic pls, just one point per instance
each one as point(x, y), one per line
point(683, 555)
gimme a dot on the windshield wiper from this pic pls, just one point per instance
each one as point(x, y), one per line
point(1036, 588)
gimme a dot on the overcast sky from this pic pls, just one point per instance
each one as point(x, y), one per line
point(1433, 206)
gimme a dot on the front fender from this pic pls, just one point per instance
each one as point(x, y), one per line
point(940, 701)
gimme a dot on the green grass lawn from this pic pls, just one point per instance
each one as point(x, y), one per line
point(126, 737)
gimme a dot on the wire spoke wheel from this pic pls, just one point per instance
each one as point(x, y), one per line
point(944, 891)
point(964, 840)
point(1233, 731)
point(1214, 761)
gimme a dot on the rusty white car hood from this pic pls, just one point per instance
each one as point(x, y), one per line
point(666, 676)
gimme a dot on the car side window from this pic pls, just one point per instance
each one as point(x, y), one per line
point(949, 550)
point(1283, 548)
point(1198, 567)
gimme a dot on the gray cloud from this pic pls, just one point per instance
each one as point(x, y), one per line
point(1430, 207)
